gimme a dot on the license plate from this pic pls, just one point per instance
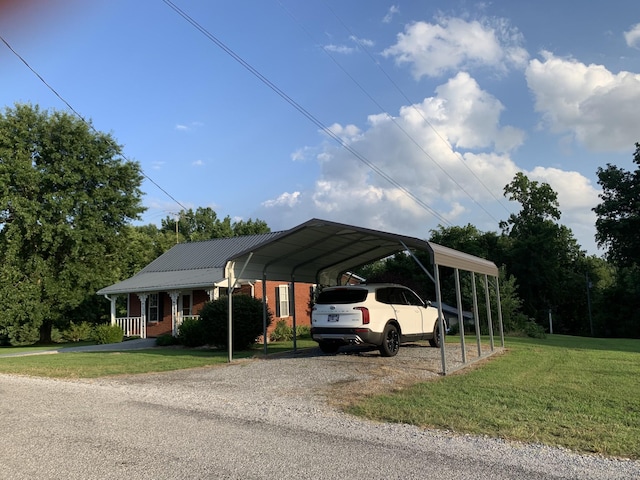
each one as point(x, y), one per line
point(333, 317)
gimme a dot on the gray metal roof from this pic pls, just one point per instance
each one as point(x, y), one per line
point(319, 251)
point(187, 266)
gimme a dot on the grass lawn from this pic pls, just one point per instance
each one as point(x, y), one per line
point(100, 364)
point(579, 393)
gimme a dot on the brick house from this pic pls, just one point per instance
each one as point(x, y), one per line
point(177, 284)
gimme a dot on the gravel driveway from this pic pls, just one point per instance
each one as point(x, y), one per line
point(255, 419)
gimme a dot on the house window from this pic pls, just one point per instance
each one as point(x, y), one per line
point(187, 305)
point(282, 306)
point(154, 308)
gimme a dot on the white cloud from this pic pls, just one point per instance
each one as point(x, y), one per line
point(632, 37)
point(597, 107)
point(453, 44)
point(461, 176)
point(198, 163)
point(342, 49)
point(423, 163)
point(364, 42)
point(284, 200)
point(185, 128)
point(393, 10)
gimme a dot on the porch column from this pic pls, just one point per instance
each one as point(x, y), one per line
point(143, 314)
point(113, 308)
point(174, 311)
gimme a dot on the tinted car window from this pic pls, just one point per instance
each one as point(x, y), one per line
point(383, 295)
point(412, 298)
point(351, 295)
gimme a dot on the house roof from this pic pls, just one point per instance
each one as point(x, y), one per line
point(187, 266)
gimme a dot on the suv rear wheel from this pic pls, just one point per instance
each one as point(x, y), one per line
point(390, 341)
point(329, 347)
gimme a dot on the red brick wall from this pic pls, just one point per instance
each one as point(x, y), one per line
point(303, 313)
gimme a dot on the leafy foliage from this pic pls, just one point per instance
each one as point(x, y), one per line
point(282, 332)
point(77, 332)
point(65, 196)
point(191, 332)
point(204, 224)
point(618, 214)
point(247, 321)
point(104, 334)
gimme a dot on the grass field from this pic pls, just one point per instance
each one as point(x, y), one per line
point(100, 364)
point(579, 393)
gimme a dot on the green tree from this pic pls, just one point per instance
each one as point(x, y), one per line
point(544, 257)
point(204, 224)
point(617, 226)
point(65, 197)
point(618, 221)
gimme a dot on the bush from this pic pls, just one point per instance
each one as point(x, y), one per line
point(303, 331)
point(282, 332)
point(534, 330)
point(166, 340)
point(77, 332)
point(108, 334)
point(247, 321)
point(191, 333)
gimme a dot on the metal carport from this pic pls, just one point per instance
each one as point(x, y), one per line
point(320, 251)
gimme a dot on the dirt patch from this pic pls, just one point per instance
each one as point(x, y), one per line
point(415, 363)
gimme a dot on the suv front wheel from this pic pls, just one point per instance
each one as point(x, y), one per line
point(390, 341)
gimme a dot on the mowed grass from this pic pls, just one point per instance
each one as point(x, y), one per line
point(579, 393)
point(101, 364)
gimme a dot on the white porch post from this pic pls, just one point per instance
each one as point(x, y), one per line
point(143, 314)
point(113, 308)
point(174, 311)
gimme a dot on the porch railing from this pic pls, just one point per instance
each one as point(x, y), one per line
point(182, 318)
point(132, 326)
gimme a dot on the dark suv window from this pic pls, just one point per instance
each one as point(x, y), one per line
point(347, 295)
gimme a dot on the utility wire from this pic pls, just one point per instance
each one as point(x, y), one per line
point(397, 87)
point(392, 118)
point(86, 122)
point(301, 109)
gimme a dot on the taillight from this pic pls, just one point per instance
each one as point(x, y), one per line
point(365, 314)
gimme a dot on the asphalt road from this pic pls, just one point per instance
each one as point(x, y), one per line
point(251, 420)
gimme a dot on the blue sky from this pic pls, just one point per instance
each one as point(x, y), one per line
point(431, 107)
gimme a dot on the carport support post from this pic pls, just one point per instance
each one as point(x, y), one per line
point(264, 311)
point(488, 302)
point(476, 317)
point(460, 318)
point(499, 312)
point(440, 317)
point(231, 283)
point(292, 302)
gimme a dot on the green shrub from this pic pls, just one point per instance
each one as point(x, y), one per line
point(191, 333)
point(166, 340)
point(77, 332)
point(247, 321)
point(20, 335)
point(534, 330)
point(108, 334)
point(303, 331)
point(282, 332)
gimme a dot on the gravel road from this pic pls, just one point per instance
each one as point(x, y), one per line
point(255, 419)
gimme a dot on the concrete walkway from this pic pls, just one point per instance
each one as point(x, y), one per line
point(137, 344)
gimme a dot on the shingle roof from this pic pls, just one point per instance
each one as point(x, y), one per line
point(188, 265)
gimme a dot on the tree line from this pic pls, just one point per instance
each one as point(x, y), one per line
point(69, 201)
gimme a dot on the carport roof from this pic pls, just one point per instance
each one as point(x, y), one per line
point(320, 251)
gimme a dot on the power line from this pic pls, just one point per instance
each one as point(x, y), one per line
point(301, 109)
point(87, 123)
point(419, 112)
point(391, 117)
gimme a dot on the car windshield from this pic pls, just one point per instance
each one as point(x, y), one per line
point(342, 295)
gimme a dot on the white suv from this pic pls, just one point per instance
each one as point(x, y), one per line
point(383, 315)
